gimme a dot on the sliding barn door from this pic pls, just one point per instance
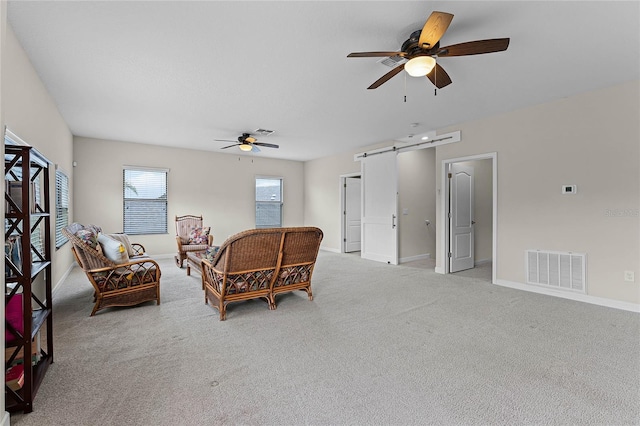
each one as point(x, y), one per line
point(379, 207)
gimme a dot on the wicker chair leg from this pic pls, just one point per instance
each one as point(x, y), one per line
point(95, 308)
point(179, 261)
point(223, 311)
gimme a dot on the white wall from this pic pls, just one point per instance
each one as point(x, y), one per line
point(3, 26)
point(417, 196)
point(322, 193)
point(590, 140)
point(221, 187)
point(29, 111)
point(322, 197)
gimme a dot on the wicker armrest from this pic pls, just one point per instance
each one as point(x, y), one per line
point(138, 249)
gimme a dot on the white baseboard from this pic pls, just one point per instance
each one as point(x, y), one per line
point(163, 256)
point(414, 258)
point(332, 250)
point(482, 262)
point(55, 288)
point(594, 300)
point(6, 419)
point(439, 270)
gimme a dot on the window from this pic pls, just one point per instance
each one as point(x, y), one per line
point(268, 202)
point(62, 206)
point(145, 201)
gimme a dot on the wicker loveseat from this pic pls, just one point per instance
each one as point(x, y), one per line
point(126, 283)
point(261, 263)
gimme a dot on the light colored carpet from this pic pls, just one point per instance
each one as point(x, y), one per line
point(379, 344)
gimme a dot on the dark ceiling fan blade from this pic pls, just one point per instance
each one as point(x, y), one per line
point(379, 82)
point(439, 77)
point(254, 148)
point(434, 28)
point(268, 145)
point(230, 146)
point(475, 47)
point(374, 54)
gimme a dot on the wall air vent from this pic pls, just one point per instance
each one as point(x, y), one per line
point(556, 269)
point(393, 61)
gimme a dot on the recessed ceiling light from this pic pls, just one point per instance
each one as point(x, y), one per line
point(424, 138)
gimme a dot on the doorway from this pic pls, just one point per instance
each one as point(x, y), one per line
point(350, 205)
point(469, 237)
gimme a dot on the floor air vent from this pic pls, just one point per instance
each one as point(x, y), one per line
point(560, 270)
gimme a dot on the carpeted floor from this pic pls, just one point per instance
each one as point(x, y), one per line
point(379, 344)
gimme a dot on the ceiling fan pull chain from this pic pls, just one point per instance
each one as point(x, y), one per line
point(435, 74)
point(405, 88)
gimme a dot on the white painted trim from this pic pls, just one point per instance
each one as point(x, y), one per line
point(444, 230)
point(482, 262)
point(61, 280)
point(6, 419)
point(162, 256)
point(594, 300)
point(343, 196)
point(443, 139)
point(414, 258)
point(439, 270)
point(8, 134)
point(329, 249)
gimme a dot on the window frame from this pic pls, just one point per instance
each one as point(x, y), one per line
point(62, 195)
point(268, 203)
point(139, 228)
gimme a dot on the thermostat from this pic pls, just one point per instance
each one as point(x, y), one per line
point(569, 189)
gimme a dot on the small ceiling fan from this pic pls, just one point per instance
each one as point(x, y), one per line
point(423, 46)
point(247, 143)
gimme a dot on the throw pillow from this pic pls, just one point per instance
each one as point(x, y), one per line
point(210, 253)
point(112, 249)
point(199, 235)
point(88, 237)
point(124, 239)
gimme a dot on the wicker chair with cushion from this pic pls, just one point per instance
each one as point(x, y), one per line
point(191, 236)
point(119, 271)
point(260, 263)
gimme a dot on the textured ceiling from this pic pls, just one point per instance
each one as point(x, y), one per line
point(181, 73)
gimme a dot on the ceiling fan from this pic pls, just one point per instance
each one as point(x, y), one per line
point(247, 143)
point(423, 46)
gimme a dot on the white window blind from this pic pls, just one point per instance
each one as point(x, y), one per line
point(62, 206)
point(268, 202)
point(145, 201)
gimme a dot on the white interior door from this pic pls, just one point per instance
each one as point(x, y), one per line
point(461, 222)
point(379, 207)
point(352, 214)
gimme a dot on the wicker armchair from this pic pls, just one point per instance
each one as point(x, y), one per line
point(260, 263)
point(185, 226)
point(115, 284)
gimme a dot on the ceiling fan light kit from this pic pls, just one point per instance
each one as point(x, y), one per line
point(420, 66)
point(245, 147)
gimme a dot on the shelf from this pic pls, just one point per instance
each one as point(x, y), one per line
point(37, 267)
point(27, 189)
